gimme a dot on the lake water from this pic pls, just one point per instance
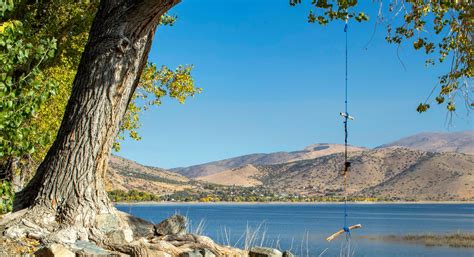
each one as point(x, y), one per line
point(304, 227)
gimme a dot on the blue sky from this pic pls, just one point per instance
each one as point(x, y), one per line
point(273, 82)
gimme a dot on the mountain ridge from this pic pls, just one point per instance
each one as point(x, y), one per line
point(309, 152)
point(461, 142)
point(390, 171)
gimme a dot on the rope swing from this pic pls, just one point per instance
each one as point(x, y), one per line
point(345, 229)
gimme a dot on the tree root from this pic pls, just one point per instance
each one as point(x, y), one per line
point(135, 248)
point(40, 224)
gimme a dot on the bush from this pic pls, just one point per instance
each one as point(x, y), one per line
point(6, 196)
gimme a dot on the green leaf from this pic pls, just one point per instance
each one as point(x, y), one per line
point(422, 107)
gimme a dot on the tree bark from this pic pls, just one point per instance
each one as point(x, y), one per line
point(70, 181)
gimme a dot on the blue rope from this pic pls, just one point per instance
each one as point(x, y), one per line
point(346, 164)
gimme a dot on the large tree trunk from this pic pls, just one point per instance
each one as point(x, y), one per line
point(69, 183)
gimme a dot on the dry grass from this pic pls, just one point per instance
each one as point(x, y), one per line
point(197, 229)
point(459, 239)
point(22, 247)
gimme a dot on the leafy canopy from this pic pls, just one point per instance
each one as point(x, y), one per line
point(41, 43)
point(23, 85)
point(442, 29)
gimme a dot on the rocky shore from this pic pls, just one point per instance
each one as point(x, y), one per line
point(166, 239)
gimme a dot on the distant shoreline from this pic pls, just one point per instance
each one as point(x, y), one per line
point(288, 203)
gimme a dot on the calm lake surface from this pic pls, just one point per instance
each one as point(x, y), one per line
point(287, 226)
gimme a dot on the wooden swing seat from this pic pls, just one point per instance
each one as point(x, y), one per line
point(330, 238)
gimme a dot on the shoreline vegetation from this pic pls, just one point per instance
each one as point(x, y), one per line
point(140, 197)
point(456, 240)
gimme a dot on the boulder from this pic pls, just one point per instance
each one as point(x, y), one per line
point(107, 222)
point(54, 250)
point(121, 236)
point(162, 254)
point(264, 252)
point(140, 227)
point(88, 249)
point(288, 254)
point(174, 225)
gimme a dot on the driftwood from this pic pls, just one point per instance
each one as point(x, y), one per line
point(330, 238)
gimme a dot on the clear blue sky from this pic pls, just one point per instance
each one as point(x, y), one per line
point(273, 82)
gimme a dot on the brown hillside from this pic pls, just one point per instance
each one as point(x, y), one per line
point(310, 152)
point(125, 175)
point(245, 176)
point(389, 173)
point(446, 176)
point(322, 175)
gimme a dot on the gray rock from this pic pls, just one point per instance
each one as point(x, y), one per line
point(140, 227)
point(54, 250)
point(107, 222)
point(85, 248)
point(174, 225)
point(198, 253)
point(120, 236)
point(161, 254)
point(264, 252)
point(288, 254)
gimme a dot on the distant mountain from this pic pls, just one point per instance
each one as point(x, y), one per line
point(436, 176)
point(125, 175)
point(426, 166)
point(310, 152)
point(245, 176)
point(386, 173)
point(460, 142)
point(394, 173)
